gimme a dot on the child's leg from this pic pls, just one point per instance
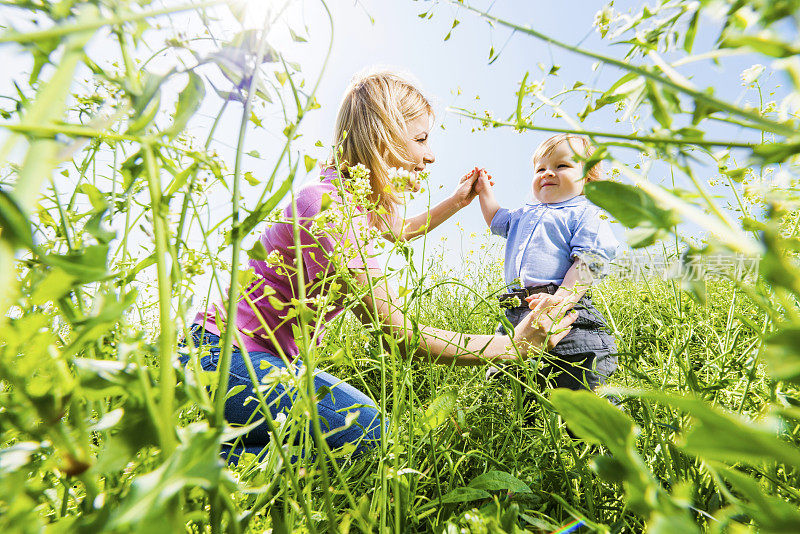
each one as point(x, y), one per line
point(584, 359)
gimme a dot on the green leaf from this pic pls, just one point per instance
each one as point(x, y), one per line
point(86, 265)
point(195, 463)
point(621, 89)
point(710, 435)
point(645, 236)
point(737, 175)
point(180, 179)
point(771, 514)
point(261, 211)
point(595, 419)
point(57, 284)
point(258, 251)
point(142, 119)
point(15, 226)
point(782, 354)
point(464, 495)
point(459, 495)
point(701, 111)
point(438, 411)
point(256, 120)
point(776, 152)
point(499, 480)
point(309, 163)
point(297, 38)
point(763, 43)
point(610, 469)
point(96, 198)
point(658, 106)
point(630, 205)
point(691, 32)
point(252, 180)
point(131, 169)
point(48, 108)
point(142, 264)
point(188, 103)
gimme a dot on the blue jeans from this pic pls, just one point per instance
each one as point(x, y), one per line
point(334, 403)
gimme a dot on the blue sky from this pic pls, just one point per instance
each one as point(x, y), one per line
point(454, 73)
point(457, 73)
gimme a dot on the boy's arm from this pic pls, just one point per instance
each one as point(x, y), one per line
point(488, 202)
point(576, 282)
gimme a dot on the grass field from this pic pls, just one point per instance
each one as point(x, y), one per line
point(118, 217)
point(668, 343)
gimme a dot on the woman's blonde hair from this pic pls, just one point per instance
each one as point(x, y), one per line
point(371, 129)
point(580, 144)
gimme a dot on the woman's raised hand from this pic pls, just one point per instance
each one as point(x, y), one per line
point(546, 325)
point(466, 191)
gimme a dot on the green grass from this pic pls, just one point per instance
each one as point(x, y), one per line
point(101, 432)
point(667, 342)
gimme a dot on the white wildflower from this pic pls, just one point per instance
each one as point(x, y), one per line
point(750, 75)
point(273, 258)
point(604, 18)
point(359, 183)
point(401, 179)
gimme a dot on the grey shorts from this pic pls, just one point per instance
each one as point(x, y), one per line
point(586, 356)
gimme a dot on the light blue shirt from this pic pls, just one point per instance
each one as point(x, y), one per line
point(542, 240)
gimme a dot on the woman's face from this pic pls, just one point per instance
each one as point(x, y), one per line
point(417, 132)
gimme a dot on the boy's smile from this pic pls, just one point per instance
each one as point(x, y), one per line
point(558, 176)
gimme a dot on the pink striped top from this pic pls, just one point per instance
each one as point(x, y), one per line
point(266, 307)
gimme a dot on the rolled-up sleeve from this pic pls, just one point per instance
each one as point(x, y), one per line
point(594, 242)
point(501, 222)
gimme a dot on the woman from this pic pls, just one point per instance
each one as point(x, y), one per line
point(382, 133)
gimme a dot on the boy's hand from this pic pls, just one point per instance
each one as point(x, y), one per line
point(465, 190)
point(484, 182)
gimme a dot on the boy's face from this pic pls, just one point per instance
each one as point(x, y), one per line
point(557, 176)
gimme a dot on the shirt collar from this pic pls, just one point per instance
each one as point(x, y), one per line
point(577, 200)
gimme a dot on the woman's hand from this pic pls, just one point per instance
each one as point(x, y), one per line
point(546, 325)
point(466, 191)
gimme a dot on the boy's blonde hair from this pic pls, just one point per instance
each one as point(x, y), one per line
point(371, 129)
point(580, 144)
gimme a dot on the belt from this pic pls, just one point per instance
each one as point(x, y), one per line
point(521, 294)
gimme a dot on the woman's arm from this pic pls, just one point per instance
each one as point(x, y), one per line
point(537, 330)
point(406, 229)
